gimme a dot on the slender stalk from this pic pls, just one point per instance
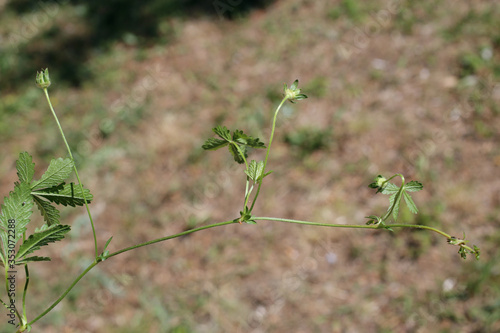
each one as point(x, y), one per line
point(242, 155)
point(354, 226)
point(247, 195)
point(94, 263)
point(187, 232)
point(76, 171)
point(272, 131)
point(246, 165)
point(268, 149)
point(25, 291)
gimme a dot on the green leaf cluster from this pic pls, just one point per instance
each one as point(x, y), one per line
point(17, 209)
point(238, 143)
point(396, 194)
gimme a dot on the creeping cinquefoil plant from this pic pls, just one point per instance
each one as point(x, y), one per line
point(18, 249)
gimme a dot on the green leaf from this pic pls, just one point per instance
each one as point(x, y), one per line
point(214, 144)
point(236, 154)
point(31, 259)
point(41, 238)
point(25, 168)
point(394, 200)
point(255, 170)
point(58, 170)
point(65, 194)
point(373, 219)
point(50, 213)
point(16, 212)
point(413, 186)
point(255, 143)
point(242, 138)
point(395, 211)
point(409, 202)
point(390, 188)
point(107, 243)
point(223, 132)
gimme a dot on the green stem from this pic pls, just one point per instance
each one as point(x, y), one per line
point(247, 195)
point(25, 291)
point(76, 171)
point(169, 237)
point(97, 261)
point(357, 226)
point(94, 263)
point(241, 153)
point(246, 165)
point(268, 149)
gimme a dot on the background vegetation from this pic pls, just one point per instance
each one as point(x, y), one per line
point(393, 86)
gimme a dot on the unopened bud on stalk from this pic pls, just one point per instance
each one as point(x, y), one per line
point(43, 79)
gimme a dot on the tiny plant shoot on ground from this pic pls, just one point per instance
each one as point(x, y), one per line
point(51, 190)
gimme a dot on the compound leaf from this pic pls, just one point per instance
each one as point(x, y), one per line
point(237, 140)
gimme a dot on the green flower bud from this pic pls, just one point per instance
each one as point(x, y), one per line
point(380, 181)
point(293, 93)
point(43, 79)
